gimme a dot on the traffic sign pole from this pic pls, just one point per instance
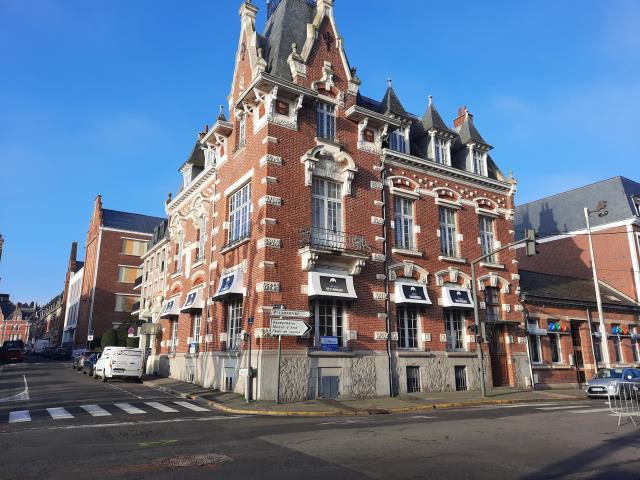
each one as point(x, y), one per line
point(279, 357)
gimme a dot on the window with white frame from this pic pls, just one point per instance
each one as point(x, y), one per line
point(636, 202)
point(242, 131)
point(326, 121)
point(398, 141)
point(454, 329)
point(133, 247)
point(407, 326)
point(556, 353)
point(195, 334)
point(201, 237)
point(329, 320)
point(404, 223)
point(179, 247)
point(174, 337)
point(128, 274)
point(240, 214)
point(597, 342)
point(492, 304)
point(442, 151)
point(535, 348)
point(479, 163)
point(124, 303)
point(487, 237)
point(448, 232)
point(327, 213)
point(234, 324)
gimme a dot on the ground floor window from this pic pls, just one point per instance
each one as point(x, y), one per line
point(234, 324)
point(195, 335)
point(329, 320)
point(461, 378)
point(413, 379)
point(407, 327)
point(617, 349)
point(174, 337)
point(454, 328)
point(535, 349)
point(556, 355)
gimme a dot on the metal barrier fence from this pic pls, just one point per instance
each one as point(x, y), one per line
point(624, 401)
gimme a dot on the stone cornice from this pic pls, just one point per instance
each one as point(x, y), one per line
point(193, 187)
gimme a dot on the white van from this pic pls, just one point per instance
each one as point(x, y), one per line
point(120, 362)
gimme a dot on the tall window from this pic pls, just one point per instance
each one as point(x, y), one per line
point(195, 335)
point(487, 237)
point(442, 151)
point(326, 121)
point(448, 232)
point(133, 247)
point(478, 163)
point(556, 355)
point(128, 274)
point(397, 141)
point(407, 327)
point(454, 328)
point(234, 322)
point(535, 349)
point(327, 213)
point(239, 214)
point(179, 246)
point(124, 303)
point(597, 342)
point(404, 223)
point(174, 337)
point(329, 320)
point(242, 131)
point(492, 303)
point(201, 237)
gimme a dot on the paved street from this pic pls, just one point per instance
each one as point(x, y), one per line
point(70, 426)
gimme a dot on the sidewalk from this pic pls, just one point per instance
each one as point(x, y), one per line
point(234, 403)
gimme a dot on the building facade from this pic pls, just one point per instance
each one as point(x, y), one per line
point(115, 242)
point(72, 308)
point(314, 197)
point(15, 320)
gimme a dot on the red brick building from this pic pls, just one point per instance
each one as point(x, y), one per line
point(115, 242)
point(565, 341)
point(318, 198)
point(614, 207)
point(15, 319)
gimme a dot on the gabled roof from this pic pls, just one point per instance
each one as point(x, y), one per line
point(129, 221)
point(391, 104)
point(569, 290)
point(286, 26)
point(196, 158)
point(431, 120)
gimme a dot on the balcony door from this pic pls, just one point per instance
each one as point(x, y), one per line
point(327, 228)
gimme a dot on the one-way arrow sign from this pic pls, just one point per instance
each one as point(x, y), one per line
point(288, 328)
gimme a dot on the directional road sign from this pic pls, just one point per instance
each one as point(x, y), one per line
point(288, 328)
point(281, 313)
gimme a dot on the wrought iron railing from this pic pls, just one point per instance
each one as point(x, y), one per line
point(333, 240)
point(272, 6)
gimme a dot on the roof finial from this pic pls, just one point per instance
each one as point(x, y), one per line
point(430, 99)
point(390, 82)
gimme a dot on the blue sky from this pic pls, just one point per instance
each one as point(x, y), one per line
point(107, 97)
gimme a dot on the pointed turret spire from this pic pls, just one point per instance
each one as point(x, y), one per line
point(431, 120)
point(391, 103)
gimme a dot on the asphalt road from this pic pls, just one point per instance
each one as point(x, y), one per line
point(77, 427)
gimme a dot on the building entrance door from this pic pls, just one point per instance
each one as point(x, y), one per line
point(577, 352)
point(498, 354)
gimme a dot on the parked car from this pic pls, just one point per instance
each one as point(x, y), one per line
point(12, 351)
point(120, 362)
point(61, 353)
point(89, 363)
point(48, 352)
point(79, 358)
point(608, 381)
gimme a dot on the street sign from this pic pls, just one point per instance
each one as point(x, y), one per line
point(131, 331)
point(282, 313)
point(329, 344)
point(288, 328)
point(89, 338)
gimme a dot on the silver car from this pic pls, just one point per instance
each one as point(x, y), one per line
point(608, 382)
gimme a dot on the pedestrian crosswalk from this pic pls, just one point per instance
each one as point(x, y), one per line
point(94, 410)
point(561, 407)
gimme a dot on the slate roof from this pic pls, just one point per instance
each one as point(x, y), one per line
point(133, 222)
point(469, 133)
point(160, 232)
point(391, 104)
point(79, 265)
point(569, 290)
point(564, 212)
point(431, 120)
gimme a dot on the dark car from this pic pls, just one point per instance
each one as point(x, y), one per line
point(62, 353)
point(48, 352)
point(12, 351)
point(89, 364)
point(79, 359)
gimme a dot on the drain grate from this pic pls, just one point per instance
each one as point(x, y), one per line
point(206, 460)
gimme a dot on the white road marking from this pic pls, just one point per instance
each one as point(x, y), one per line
point(419, 417)
point(519, 405)
point(591, 410)
point(127, 407)
point(566, 407)
point(95, 410)
point(342, 422)
point(59, 413)
point(22, 396)
point(191, 406)
point(19, 416)
point(161, 407)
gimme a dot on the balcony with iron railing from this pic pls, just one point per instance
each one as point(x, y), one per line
point(333, 241)
point(272, 6)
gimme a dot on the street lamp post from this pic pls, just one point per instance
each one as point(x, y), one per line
point(601, 211)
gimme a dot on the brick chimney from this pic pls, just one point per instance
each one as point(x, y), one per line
point(463, 113)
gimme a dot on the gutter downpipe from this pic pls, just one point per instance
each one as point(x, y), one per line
point(385, 250)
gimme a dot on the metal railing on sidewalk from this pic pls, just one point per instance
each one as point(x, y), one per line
point(624, 401)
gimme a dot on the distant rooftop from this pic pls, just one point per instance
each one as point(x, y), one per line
point(130, 221)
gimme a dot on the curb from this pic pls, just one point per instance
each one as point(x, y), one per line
point(362, 412)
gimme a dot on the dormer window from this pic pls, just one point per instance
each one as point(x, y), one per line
point(326, 121)
point(369, 135)
point(636, 202)
point(282, 108)
point(186, 176)
point(479, 163)
point(398, 141)
point(441, 151)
